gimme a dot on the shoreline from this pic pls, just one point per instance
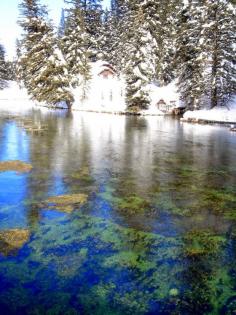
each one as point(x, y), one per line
point(209, 122)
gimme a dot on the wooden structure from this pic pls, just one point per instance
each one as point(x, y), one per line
point(169, 108)
point(163, 106)
point(107, 71)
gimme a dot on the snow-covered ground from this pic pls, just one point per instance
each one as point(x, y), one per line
point(107, 95)
point(218, 114)
point(14, 96)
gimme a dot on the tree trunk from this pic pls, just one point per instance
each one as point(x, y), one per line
point(69, 105)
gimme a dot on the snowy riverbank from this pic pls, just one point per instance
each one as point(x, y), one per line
point(217, 115)
point(104, 96)
point(107, 96)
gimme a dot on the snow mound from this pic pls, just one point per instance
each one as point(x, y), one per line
point(218, 114)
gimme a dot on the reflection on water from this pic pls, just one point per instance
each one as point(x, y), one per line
point(155, 233)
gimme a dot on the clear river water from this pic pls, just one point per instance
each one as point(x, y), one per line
point(154, 234)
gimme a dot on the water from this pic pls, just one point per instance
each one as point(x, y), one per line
point(157, 234)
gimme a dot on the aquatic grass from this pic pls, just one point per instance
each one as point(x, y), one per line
point(15, 165)
point(199, 243)
point(132, 204)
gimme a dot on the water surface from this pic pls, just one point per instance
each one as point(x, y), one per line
point(157, 234)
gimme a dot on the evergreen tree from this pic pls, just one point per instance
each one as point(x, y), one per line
point(189, 65)
point(91, 14)
point(114, 35)
point(161, 18)
point(218, 50)
point(75, 46)
point(107, 40)
point(205, 62)
point(138, 69)
point(122, 13)
point(41, 64)
point(3, 68)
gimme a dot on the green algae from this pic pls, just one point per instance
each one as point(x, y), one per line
point(219, 201)
point(164, 202)
point(202, 243)
point(129, 204)
point(111, 250)
point(222, 289)
point(81, 175)
point(65, 203)
point(15, 165)
point(134, 302)
point(132, 204)
point(67, 266)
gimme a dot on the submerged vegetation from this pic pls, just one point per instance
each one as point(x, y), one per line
point(12, 240)
point(202, 243)
point(122, 269)
point(159, 238)
point(17, 166)
point(65, 203)
point(132, 205)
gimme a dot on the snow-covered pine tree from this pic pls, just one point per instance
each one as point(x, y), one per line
point(166, 40)
point(138, 68)
point(75, 46)
point(3, 68)
point(107, 39)
point(92, 15)
point(161, 18)
point(119, 36)
point(218, 48)
point(93, 22)
point(41, 64)
point(189, 65)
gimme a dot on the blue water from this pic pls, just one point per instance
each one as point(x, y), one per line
point(157, 234)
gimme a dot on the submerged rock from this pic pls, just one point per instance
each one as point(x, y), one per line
point(13, 240)
point(65, 203)
point(17, 166)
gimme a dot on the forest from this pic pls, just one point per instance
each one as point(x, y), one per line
point(146, 41)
